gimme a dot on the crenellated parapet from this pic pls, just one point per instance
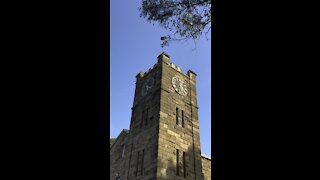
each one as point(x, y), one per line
point(165, 58)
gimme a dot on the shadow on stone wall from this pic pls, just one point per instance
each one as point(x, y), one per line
point(167, 168)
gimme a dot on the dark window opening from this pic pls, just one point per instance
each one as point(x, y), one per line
point(177, 162)
point(137, 163)
point(139, 170)
point(181, 164)
point(182, 118)
point(177, 116)
point(146, 118)
point(184, 164)
point(151, 120)
point(141, 124)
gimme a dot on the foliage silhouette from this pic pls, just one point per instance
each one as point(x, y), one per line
point(185, 19)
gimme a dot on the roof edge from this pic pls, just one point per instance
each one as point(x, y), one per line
point(123, 131)
point(205, 156)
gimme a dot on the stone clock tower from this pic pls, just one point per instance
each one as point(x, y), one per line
point(163, 141)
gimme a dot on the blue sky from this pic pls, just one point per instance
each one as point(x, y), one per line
point(134, 47)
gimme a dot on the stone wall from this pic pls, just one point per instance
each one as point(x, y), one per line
point(144, 128)
point(158, 147)
point(206, 167)
point(182, 138)
point(117, 160)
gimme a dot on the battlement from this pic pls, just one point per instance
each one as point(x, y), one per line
point(142, 74)
point(163, 57)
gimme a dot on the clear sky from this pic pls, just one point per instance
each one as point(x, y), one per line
point(134, 47)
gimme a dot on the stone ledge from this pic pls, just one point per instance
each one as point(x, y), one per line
point(206, 157)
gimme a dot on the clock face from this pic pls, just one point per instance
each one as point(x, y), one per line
point(179, 85)
point(147, 86)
